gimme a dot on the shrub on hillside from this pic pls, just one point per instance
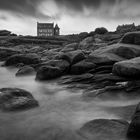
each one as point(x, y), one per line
point(101, 30)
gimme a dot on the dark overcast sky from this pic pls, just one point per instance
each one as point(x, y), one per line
point(73, 16)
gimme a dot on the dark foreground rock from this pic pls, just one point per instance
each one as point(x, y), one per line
point(134, 127)
point(129, 68)
point(26, 59)
point(82, 67)
point(48, 73)
point(63, 65)
point(26, 70)
point(13, 99)
point(103, 129)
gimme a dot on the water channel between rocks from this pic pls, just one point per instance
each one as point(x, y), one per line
point(60, 109)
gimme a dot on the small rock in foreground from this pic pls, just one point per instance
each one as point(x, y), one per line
point(14, 99)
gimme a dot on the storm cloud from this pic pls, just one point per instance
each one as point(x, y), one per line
point(99, 8)
point(103, 8)
point(22, 7)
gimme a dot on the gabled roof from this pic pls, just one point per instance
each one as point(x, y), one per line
point(45, 25)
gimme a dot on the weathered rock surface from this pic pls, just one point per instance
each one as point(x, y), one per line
point(129, 68)
point(82, 67)
point(13, 99)
point(63, 65)
point(48, 73)
point(86, 43)
point(131, 38)
point(70, 47)
point(4, 33)
point(26, 59)
point(72, 57)
point(26, 70)
point(76, 79)
point(114, 53)
point(103, 129)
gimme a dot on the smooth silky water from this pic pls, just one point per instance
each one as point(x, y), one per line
point(61, 112)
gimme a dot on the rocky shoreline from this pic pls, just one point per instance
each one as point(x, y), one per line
point(92, 64)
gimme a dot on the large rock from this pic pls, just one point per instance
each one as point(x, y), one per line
point(82, 67)
point(48, 73)
point(26, 59)
point(26, 70)
point(129, 68)
point(134, 127)
point(12, 99)
point(114, 53)
point(103, 129)
point(63, 65)
point(72, 57)
point(86, 43)
point(131, 38)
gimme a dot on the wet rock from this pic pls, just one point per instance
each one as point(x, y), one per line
point(26, 59)
point(103, 129)
point(108, 77)
point(13, 99)
point(131, 38)
point(48, 73)
point(26, 70)
point(82, 67)
point(129, 68)
point(102, 68)
point(76, 79)
point(134, 127)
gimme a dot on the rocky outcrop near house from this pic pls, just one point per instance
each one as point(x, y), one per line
point(14, 99)
point(103, 129)
point(4, 33)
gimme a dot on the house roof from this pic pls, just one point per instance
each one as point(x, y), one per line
point(45, 25)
